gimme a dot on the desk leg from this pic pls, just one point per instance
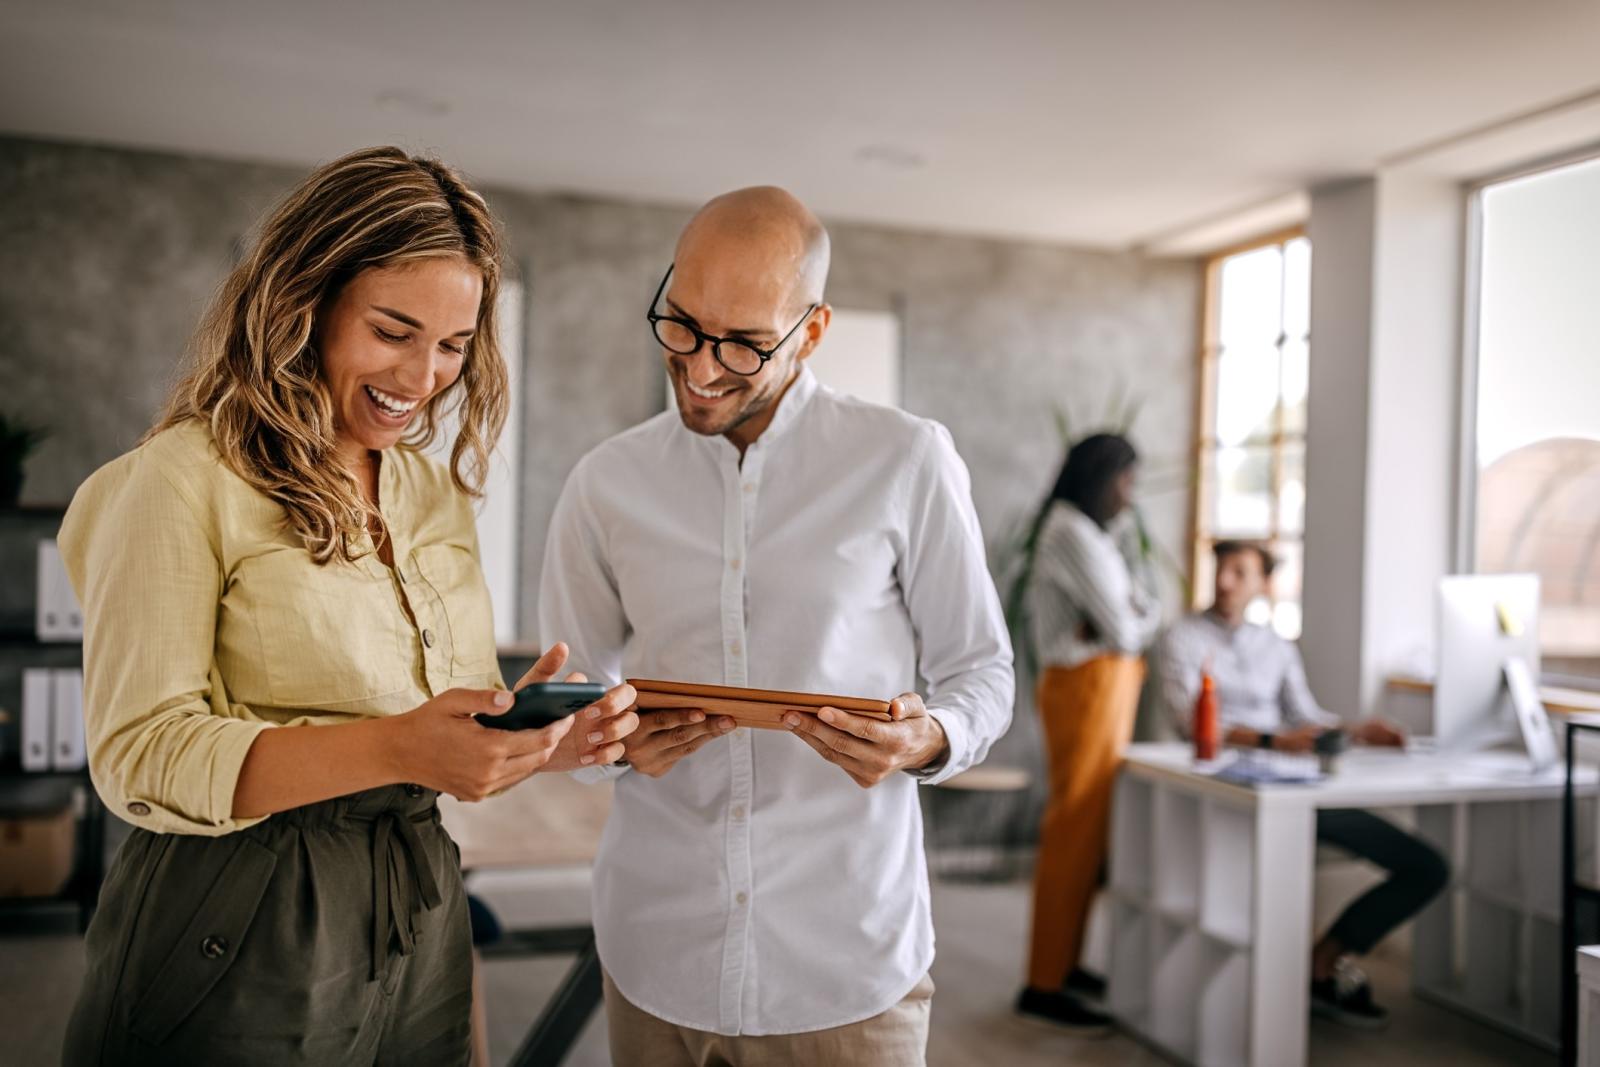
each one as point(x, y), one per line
point(564, 1018)
point(1280, 966)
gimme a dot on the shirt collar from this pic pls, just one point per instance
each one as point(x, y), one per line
point(1214, 617)
point(790, 405)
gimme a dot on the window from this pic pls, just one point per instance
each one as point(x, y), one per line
point(1536, 415)
point(1255, 359)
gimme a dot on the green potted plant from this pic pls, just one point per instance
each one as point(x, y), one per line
point(17, 442)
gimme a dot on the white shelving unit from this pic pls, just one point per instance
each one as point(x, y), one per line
point(1182, 920)
point(1490, 946)
point(1210, 886)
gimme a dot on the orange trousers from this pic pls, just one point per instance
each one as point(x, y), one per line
point(1088, 714)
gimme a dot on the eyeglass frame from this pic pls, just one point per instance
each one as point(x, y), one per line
point(702, 338)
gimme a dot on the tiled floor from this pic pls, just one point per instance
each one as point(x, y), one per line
point(982, 930)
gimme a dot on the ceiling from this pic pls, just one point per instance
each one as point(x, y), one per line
point(1108, 124)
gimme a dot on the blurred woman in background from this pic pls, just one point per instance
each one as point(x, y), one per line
point(1091, 615)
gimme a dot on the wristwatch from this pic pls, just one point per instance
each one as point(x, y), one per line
point(1265, 740)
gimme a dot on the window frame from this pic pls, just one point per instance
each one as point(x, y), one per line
point(1201, 535)
point(1465, 541)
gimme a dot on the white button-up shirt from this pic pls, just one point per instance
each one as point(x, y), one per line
point(1260, 677)
point(755, 888)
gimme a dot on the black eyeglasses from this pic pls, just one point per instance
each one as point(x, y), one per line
point(685, 338)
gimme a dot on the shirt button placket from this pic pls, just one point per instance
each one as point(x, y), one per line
point(739, 502)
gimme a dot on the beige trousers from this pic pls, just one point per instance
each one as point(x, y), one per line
point(897, 1038)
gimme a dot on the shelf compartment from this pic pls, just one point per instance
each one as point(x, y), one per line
point(1131, 832)
point(1224, 1008)
point(1128, 988)
point(1176, 865)
point(1494, 955)
point(1542, 999)
point(1433, 940)
point(1175, 962)
point(1494, 855)
point(1228, 868)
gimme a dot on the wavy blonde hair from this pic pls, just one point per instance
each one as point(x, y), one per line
point(254, 376)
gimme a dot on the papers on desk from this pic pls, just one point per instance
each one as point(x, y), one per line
point(1268, 768)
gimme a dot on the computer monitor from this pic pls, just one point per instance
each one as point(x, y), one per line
point(1485, 621)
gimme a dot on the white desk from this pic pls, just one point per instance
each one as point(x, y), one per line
point(1211, 886)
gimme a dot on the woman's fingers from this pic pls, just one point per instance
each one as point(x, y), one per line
point(605, 755)
point(615, 702)
point(607, 730)
point(520, 743)
point(547, 666)
point(466, 702)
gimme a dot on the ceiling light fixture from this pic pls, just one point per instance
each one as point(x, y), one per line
point(891, 157)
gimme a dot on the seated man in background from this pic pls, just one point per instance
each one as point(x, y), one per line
point(1263, 701)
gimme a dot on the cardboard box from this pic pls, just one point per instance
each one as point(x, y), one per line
point(36, 854)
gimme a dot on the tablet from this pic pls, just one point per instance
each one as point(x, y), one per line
point(761, 709)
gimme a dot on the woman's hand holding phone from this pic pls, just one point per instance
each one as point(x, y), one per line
point(596, 732)
point(442, 746)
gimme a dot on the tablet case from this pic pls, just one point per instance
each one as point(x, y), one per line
point(760, 709)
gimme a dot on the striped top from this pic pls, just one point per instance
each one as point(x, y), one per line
point(1084, 600)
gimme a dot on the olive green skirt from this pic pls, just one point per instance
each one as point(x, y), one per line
point(336, 933)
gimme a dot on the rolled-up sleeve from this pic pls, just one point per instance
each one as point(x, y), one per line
point(964, 650)
point(165, 745)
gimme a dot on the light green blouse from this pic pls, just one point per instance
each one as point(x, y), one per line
point(206, 621)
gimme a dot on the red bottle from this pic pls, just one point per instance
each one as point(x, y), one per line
point(1205, 720)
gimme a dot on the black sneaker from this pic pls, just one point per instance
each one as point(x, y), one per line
point(1086, 984)
point(1062, 1010)
point(1346, 999)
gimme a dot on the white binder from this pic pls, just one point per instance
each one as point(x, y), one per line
point(58, 616)
point(37, 719)
point(67, 737)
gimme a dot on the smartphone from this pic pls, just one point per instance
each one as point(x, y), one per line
point(543, 703)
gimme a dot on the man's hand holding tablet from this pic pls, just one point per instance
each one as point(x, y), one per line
point(869, 749)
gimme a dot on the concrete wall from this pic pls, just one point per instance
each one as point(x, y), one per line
point(107, 257)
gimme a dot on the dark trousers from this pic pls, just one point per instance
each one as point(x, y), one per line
point(336, 933)
point(1416, 875)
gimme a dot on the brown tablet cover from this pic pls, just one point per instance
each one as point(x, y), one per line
point(761, 709)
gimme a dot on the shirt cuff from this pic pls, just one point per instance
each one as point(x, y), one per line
point(597, 775)
point(955, 756)
point(209, 806)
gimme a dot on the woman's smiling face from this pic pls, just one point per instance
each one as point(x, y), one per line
point(392, 340)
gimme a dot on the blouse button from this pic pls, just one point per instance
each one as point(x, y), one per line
point(427, 638)
point(214, 948)
point(139, 808)
point(413, 790)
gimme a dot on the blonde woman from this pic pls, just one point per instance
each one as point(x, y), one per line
point(287, 637)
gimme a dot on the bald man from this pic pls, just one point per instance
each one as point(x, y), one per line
point(761, 896)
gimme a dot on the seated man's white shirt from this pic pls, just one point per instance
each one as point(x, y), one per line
point(1259, 676)
point(755, 888)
